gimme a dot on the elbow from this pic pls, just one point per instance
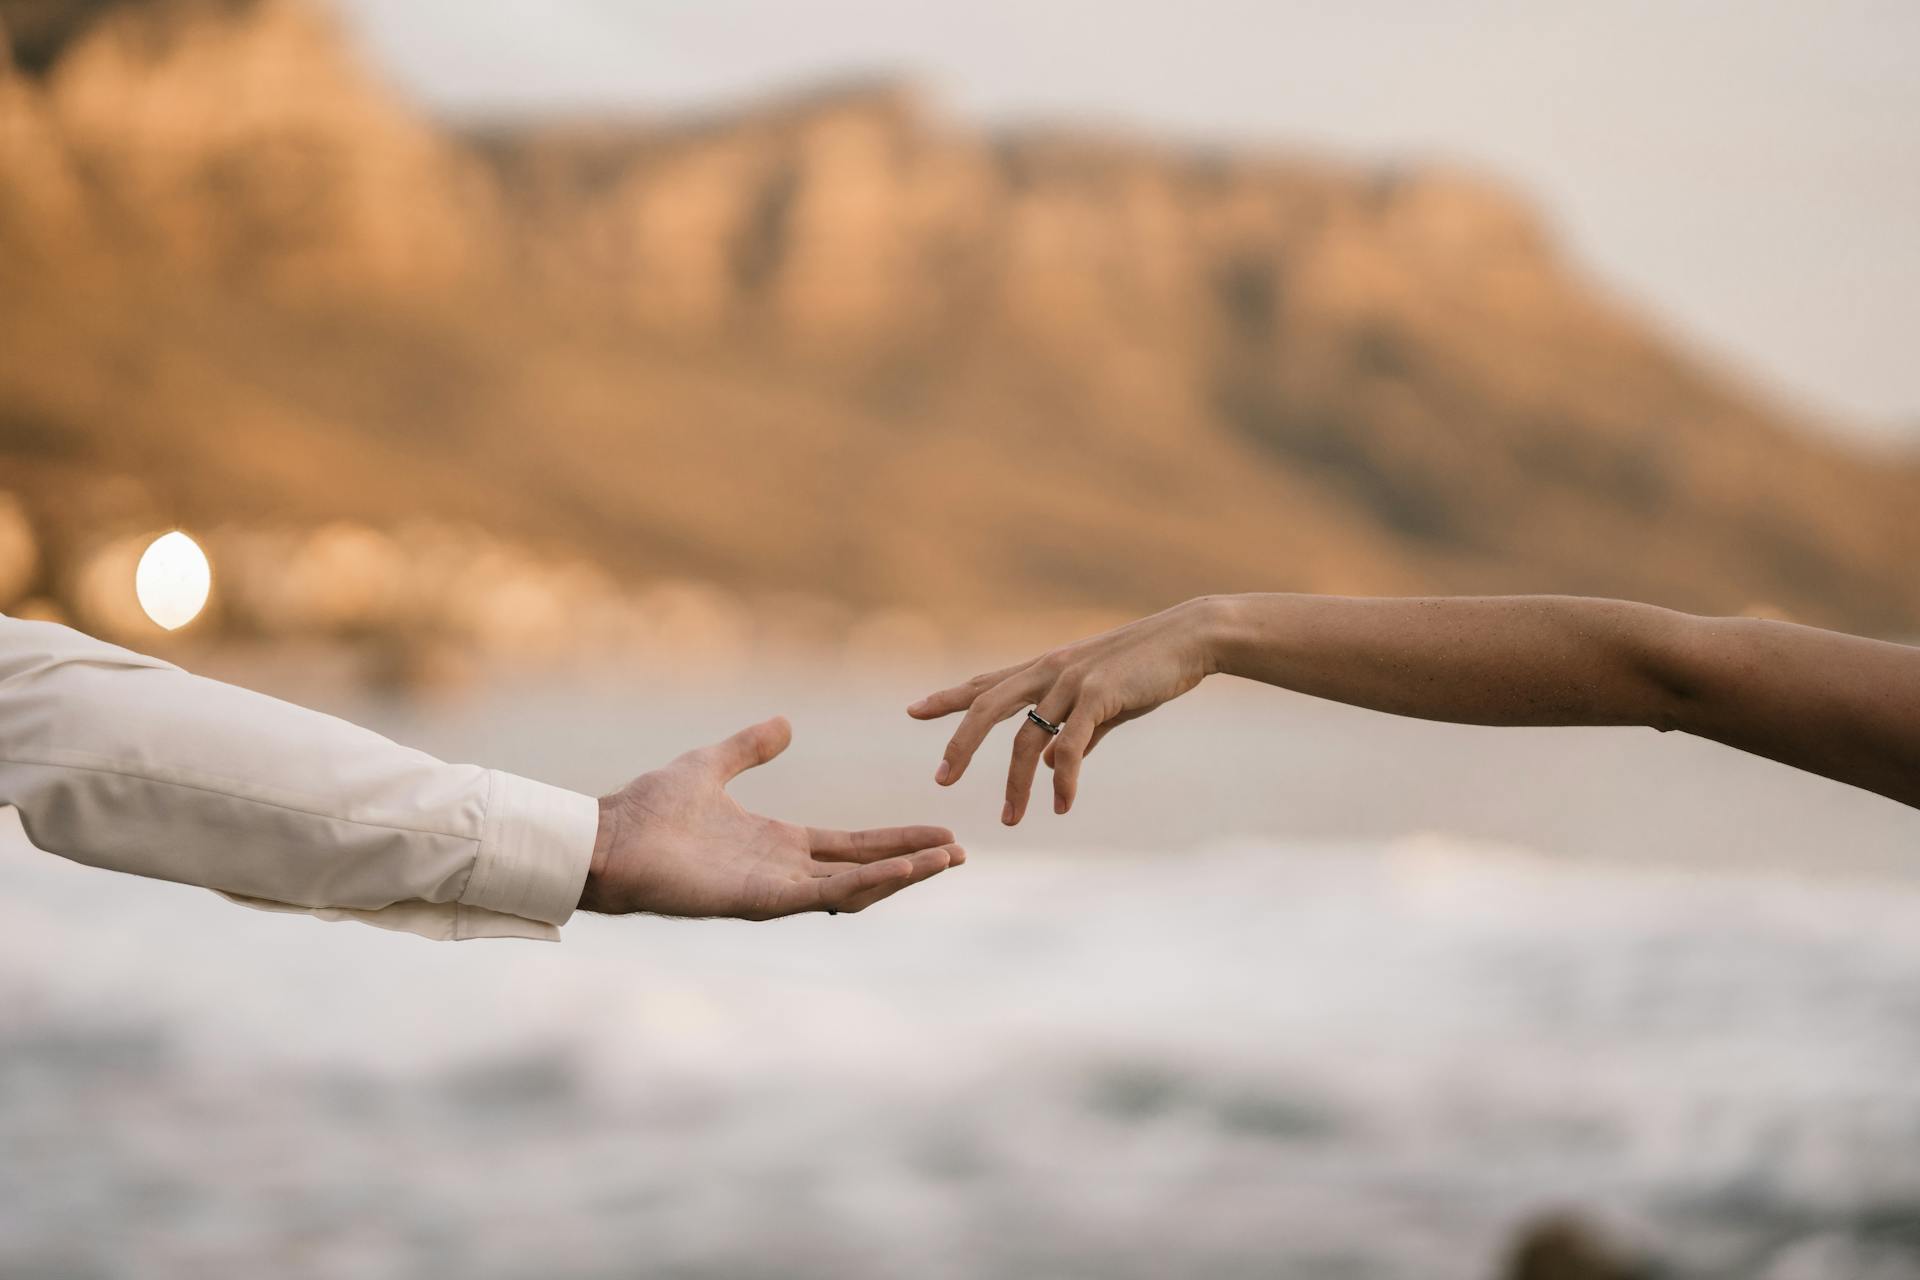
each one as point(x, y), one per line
point(1672, 663)
point(1673, 702)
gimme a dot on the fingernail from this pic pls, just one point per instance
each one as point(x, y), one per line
point(1006, 814)
point(1059, 804)
point(916, 706)
point(941, 774)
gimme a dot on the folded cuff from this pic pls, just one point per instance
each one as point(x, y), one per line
point(536, 844)
point(435, 921)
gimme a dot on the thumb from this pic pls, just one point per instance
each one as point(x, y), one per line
point(752, 746)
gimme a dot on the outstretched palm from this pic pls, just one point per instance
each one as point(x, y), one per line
point(673, 842)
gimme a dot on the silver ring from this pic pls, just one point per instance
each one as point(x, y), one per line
point(1053, 730)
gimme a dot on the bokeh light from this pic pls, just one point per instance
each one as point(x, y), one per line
point(173, 580)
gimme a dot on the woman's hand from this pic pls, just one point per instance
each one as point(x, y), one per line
point(1087, 688)
point(1840, 706)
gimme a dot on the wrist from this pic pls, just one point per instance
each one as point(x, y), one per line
point(1220, 625)
point(603, 840)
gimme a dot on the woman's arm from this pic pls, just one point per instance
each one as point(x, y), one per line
point(1829, 703)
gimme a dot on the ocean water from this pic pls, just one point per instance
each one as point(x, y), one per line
point(1126, 1044)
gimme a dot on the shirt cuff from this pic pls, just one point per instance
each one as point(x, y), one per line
point(536, 845)
point(434, 921)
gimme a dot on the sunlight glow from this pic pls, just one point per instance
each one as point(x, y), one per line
point(173, 580)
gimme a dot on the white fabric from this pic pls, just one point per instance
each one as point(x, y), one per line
point(122, 761)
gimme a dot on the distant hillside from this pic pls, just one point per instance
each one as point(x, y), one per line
point(840, 345)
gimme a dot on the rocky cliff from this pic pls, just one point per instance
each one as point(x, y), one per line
point(842, 345)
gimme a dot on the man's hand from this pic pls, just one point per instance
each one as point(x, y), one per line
point(674, 843)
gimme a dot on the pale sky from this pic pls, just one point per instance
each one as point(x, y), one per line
point(1746, 170)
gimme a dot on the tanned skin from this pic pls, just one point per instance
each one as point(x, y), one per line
point(1837, 705)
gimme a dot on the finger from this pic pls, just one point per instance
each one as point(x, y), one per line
point(752, 746)
point(866, 900)
point(988, 709)
point(847, 890)
point(1107, 726)
point(871, 846)
point(1028, 743)
point(948, 701)
point(1114, 722)
point(861, 901)
point(834, 868)
point(1077, 736)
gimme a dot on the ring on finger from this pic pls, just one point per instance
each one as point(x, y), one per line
point(1047, 726)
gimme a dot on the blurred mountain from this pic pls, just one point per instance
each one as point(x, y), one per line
point(841, 345)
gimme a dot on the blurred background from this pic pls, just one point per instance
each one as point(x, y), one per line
point(561, 385)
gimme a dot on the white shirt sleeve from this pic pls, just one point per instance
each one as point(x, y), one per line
point(122, 761)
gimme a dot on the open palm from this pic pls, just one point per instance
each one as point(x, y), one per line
point(673, 842)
